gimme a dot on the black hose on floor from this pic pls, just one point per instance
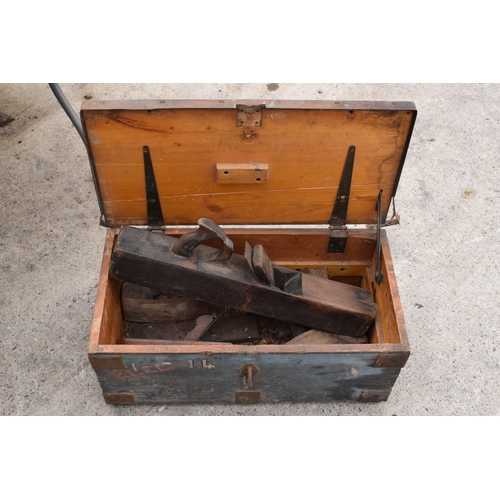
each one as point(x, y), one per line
point(67, 108)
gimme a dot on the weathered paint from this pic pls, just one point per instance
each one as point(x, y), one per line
point(218, 378)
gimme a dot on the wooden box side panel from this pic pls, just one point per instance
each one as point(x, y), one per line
point(107, 322)
point(388, 301)
point(220, 378)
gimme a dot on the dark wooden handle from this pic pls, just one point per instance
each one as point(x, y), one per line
point(208, 230)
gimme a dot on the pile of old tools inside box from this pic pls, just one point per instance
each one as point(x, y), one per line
point(180, 291)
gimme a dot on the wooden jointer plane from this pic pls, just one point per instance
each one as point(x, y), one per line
point(250, 283)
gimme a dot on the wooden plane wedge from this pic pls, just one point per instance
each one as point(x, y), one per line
point(147, 259)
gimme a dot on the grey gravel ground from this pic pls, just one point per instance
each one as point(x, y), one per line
point(445, 251)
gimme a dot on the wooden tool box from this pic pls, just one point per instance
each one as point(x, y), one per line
point(293, 176)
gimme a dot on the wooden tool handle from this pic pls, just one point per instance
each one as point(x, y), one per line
point(208, 230)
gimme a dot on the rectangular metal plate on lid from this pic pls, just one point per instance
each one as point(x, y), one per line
point(303, 143)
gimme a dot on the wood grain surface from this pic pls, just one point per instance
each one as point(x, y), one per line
point(305, 150)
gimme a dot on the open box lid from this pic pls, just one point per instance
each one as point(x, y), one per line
point(244, 162)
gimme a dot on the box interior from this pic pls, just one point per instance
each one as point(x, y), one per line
point(299, 249)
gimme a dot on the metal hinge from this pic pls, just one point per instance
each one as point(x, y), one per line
point(338, 239)
point(153, 204)
point(338, 228)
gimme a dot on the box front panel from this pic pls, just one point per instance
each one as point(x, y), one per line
point(244, 379)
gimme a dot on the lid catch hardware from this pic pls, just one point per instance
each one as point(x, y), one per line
point(153, 205)
point(379, 276)
point(338, 228)
point(249, 116)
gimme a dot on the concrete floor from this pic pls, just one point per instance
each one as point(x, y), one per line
point(445, 250)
